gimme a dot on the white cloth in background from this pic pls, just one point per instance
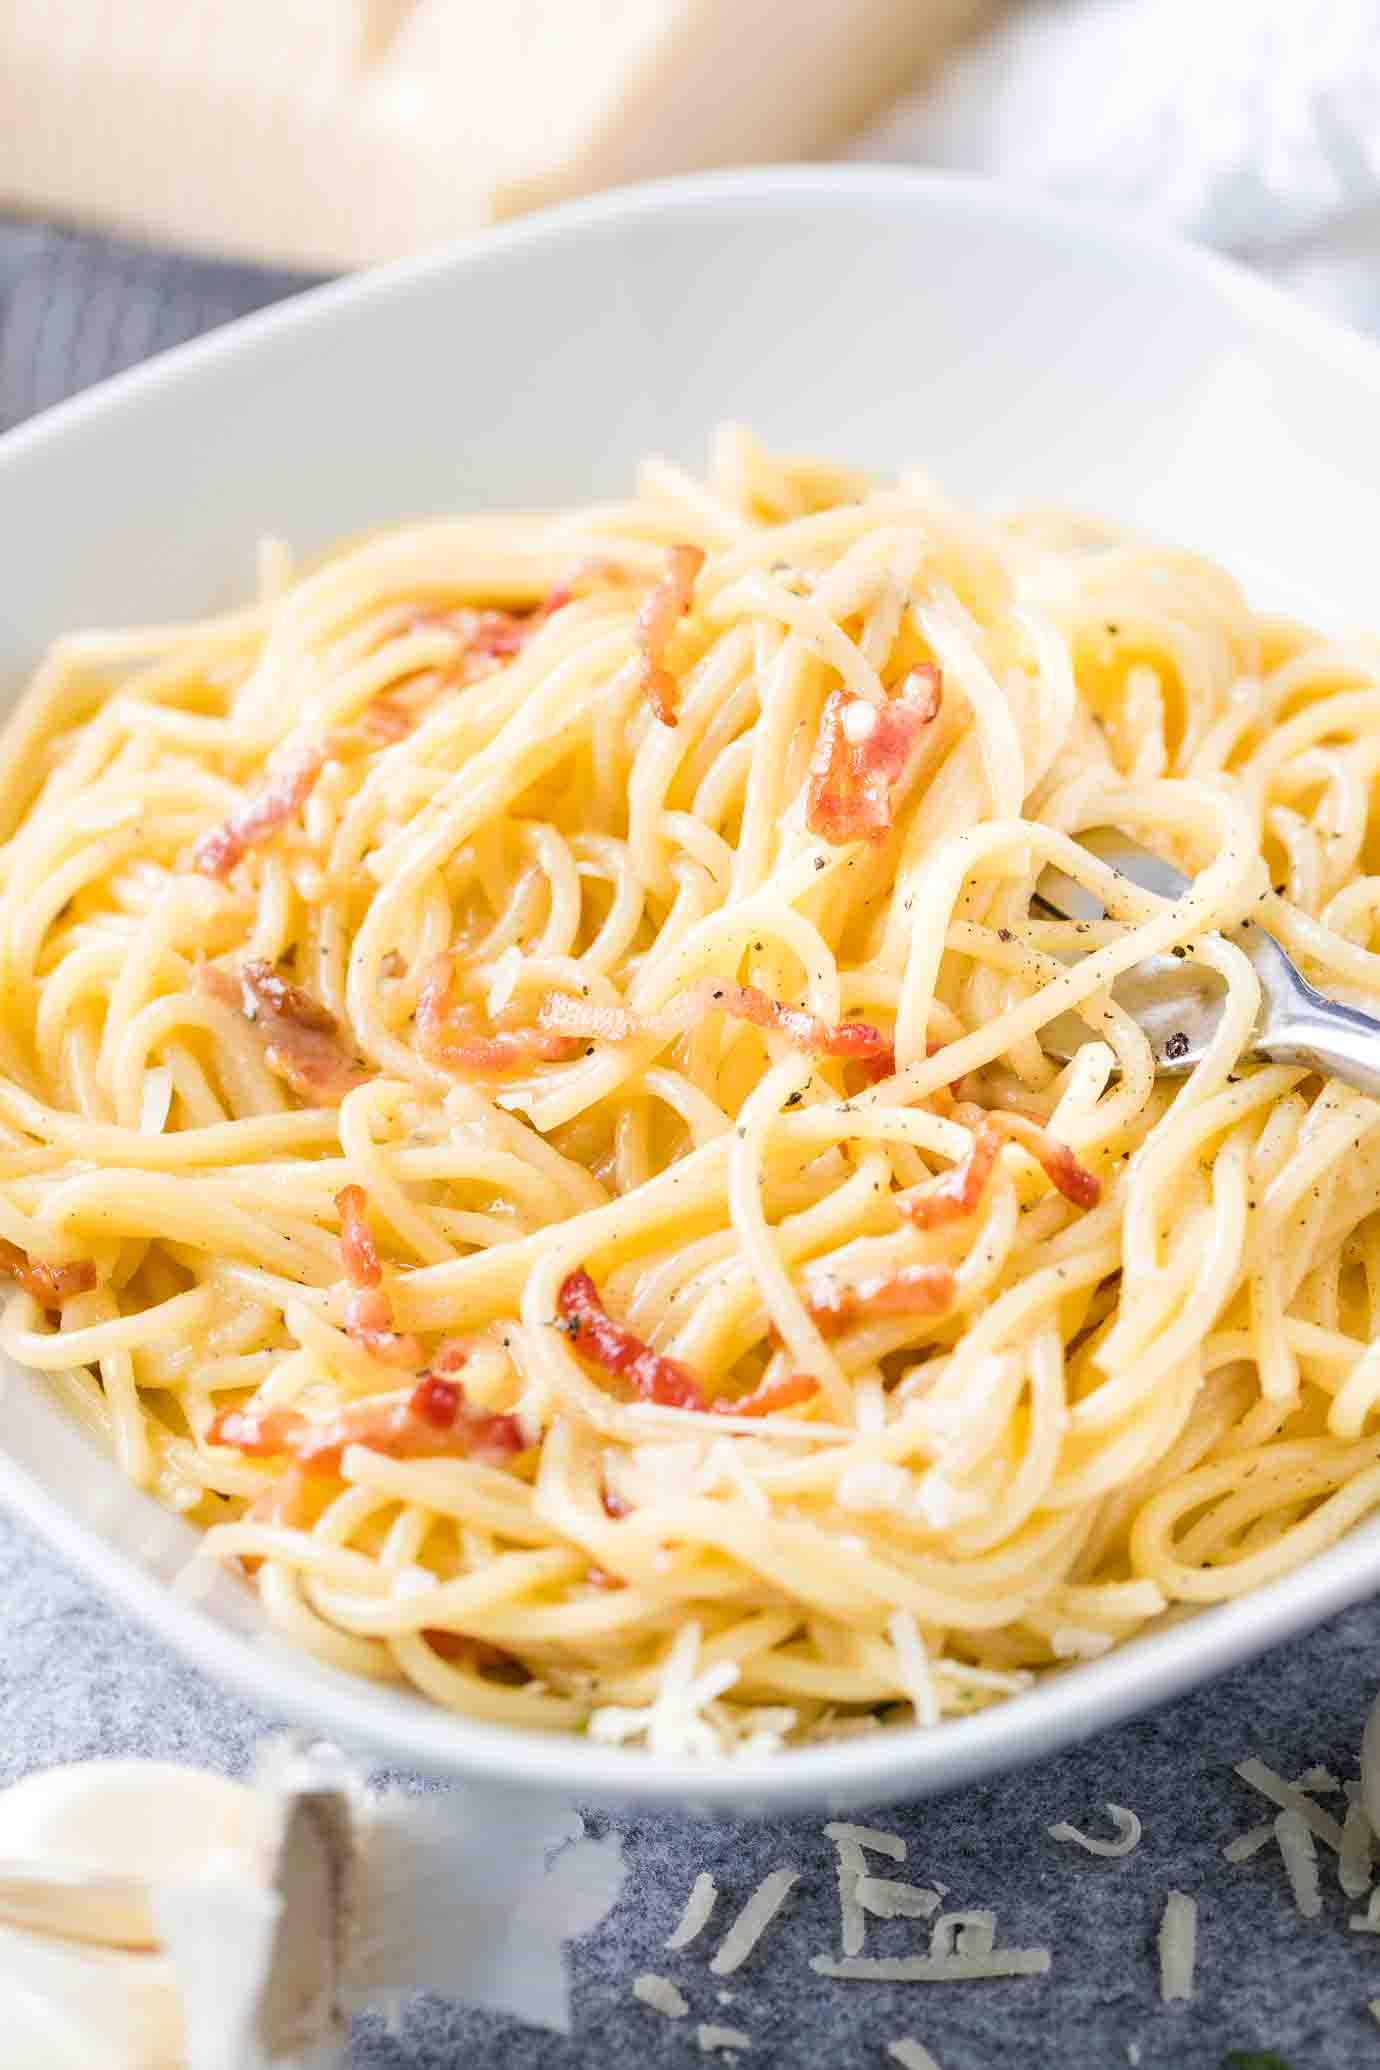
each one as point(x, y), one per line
point(1250, 125)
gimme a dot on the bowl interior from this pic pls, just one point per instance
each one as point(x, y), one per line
point(1018, 352)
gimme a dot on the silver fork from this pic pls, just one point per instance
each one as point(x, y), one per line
point(1179, 1005)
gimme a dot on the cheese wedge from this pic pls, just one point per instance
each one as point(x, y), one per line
point(331, 133)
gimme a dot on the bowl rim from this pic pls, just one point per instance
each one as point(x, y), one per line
point(891, 1763)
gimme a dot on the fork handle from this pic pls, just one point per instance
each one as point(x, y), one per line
point(1328, 1037)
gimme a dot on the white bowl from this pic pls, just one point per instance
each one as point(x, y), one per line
point(1016, 349)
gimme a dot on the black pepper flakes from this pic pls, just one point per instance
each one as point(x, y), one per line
point(1177, 1046)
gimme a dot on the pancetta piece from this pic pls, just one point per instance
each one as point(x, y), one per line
point(866, 758)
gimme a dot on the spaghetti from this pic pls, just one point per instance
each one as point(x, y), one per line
point(522, 1108)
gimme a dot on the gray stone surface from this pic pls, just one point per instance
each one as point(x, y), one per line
point(77, 1680)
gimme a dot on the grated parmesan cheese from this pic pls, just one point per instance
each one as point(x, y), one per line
point(880, 1485)
point(661, 1995)
point(926, 1969)
point(962, 1949)
point(1354, 1862)
point(1289, 1797)
point(672, 1723)
point(1074, 1642)
point(914, 1664)
point(748, 1733)
point(1001, 1681)
point(1128, 1834)
point(889, 1844)
point(1178, 1944)
point(1248, 1843)
point(911, 2055)
point(1300, 1855)
point(698, 1906)
point(712, 2038)
point(1314, 1781)
point(859, 721)
point(155, 1102)
point(964, 1933)
point(850, 1841)
point(752, 1922)
point(886, 1899)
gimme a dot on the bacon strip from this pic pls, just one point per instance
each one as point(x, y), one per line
point(357, 1249)
point(468, 1052)
point(50, 1285)
point(385, 720)
point(769, 1397)
point(661, 612)
point(915, 1290)
point(803, 1030)
point(880, 1066)
point(957, 1194)
point(435, 1422)
point(368, 1311)
point(287, 791)
point(883, 1065)
point(866, 759)
point(581, 1017)
point(301, 1037)
point(612, 1345)
point(585, 1020)
point(494, 634)
point(369, 1323)
point(483, 637)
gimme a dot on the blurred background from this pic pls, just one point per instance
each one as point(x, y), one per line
point(167, 164)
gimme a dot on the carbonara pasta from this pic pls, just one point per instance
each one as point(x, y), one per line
point(523, 1110)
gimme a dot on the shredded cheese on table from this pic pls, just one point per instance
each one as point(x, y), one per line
point(911, 2055)
point(661, 1995)
point(1178, 1943)
point(1300, 1855)
point(1127, 1839)
point(712, 2039)
point(698, 1906)
point(752, 1922)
